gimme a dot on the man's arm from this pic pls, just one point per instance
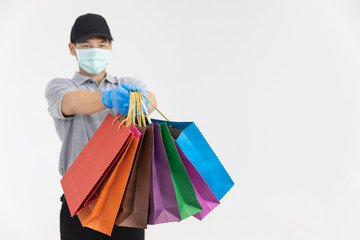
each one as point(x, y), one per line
point(86, 102)
point(152, 100)
point(82, 102)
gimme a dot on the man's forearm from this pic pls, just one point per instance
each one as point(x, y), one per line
point(153, 101)
point(86, 102)
point(82, 102)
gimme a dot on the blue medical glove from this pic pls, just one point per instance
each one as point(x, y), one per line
point(136, 88)
point(117, 98)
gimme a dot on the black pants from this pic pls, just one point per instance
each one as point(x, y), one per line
point(71, 229)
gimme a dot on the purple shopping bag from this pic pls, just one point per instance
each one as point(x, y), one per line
point(163, 206)
point(203, 192)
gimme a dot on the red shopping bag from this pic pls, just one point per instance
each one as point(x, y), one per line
point(101, 214)
point(85, 175)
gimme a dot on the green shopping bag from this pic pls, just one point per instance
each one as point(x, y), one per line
point(185, 193)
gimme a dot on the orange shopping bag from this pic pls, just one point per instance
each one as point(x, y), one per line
point(101, 214)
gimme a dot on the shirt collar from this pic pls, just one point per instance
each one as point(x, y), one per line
point(110, 78)
point(78, 77)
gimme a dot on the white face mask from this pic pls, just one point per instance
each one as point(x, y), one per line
point(93, 60)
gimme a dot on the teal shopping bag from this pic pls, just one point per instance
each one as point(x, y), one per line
point(198, 151)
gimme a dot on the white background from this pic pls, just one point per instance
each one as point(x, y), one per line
point(273, 86)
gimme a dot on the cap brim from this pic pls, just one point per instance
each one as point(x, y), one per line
point(86, 37)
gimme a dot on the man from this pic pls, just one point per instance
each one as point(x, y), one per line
point(79, 105)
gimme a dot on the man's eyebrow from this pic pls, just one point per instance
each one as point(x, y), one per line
point(103, 41)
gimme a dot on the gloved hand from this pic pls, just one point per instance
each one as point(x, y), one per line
point(119, 97)
point(136, 88)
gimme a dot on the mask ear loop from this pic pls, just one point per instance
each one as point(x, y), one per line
point(76, 52)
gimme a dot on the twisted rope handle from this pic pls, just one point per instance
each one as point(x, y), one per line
point(137, 110)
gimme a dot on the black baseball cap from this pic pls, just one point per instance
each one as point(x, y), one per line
point(89, 25)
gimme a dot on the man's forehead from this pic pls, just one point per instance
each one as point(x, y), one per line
point(96, 39)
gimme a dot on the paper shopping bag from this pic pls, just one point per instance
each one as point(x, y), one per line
point(101, 214)
point(203, 192)
point(93, 163)
point(134, 207)
point(200, 154)
point(185, 193)
point(163, 206)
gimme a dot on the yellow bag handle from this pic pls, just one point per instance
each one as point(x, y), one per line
point(143, 95)
point(137, 105)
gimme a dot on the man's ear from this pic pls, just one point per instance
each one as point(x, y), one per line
point(110, 44)
point(72, 49)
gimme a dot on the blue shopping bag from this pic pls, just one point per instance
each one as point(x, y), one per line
point(198, 151)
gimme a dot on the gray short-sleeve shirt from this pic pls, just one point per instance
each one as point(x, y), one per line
point(75, 131)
